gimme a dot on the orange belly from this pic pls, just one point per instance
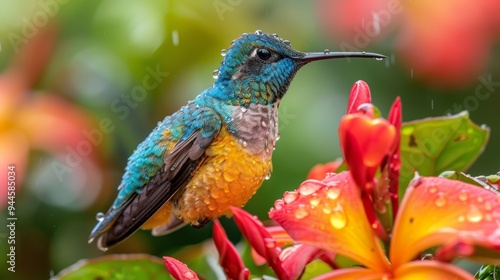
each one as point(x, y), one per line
point(228, 177)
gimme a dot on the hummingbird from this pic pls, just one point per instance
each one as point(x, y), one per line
point(214, 152)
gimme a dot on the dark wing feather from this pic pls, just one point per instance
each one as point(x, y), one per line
point(179, 167)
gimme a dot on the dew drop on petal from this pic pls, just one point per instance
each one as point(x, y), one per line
point(290, 196)
point(479, 199)
point(99, 216)
point(278, 204)
point(487, 206)
point(474, 215)
point(326, 209)
point(463, 195)
point(314, 202)
point(189, 275)
point(461, 218)
point(440, 200)
point(433, 189)
point(488, 217)
point(333, 193)
point(215, 74)
point(301, 212)
point(338, 218)
point(308, 188)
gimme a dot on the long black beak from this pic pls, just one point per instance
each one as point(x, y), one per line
point(313, 56)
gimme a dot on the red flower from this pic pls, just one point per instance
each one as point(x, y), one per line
point(179, 270)
point(229, 259)
point(365, 143)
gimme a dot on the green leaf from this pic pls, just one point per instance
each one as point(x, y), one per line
point(488, 272)
point(433, 145)
point(124, 266)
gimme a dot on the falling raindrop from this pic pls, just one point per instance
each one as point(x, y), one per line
point(175, 38)
point(99, 216)
point(326, 51)
point(258, 32)
point(215, 74)
point(223, 52)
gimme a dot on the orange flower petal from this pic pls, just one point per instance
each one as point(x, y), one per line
point(436, 210)
point(329, 214)
point(14, 149)
point(73, 126)
point(430, 270)
point(318, 172)
point(352, 273)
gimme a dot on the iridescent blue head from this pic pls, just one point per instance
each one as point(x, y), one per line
point(258, 68)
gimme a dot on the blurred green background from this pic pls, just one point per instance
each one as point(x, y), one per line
point(70, 115)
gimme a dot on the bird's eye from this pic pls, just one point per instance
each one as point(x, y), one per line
point(264, 54)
